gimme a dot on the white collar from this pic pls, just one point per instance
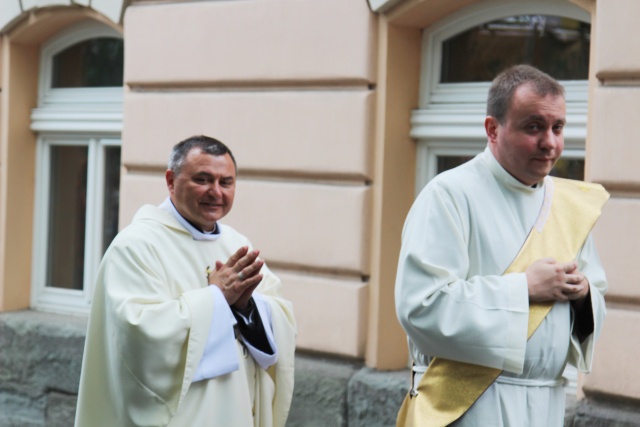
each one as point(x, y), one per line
point(168, 206)
point(504, 176)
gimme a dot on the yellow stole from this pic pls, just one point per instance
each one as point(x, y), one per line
point(449, 388)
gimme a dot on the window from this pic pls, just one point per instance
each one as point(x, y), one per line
point(462, 54)
point(78, 120)
point(91, 63)
point(558, 46)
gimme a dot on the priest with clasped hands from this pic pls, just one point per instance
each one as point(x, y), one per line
point(187, 326)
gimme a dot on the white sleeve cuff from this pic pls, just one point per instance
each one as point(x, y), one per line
point(220, 352)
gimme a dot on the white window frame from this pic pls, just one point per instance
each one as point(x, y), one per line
point(59, 299)
point(72, 116)
point(450, 117)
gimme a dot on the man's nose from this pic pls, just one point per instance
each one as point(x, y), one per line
point(215, 190)
point(548, 140)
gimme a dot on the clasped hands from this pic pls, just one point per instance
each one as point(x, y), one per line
point(238, 277)
point(549, 280)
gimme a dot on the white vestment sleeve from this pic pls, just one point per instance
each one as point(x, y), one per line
point(448, 310)
point(220, 353)
point(581, 354)
point(264, 310)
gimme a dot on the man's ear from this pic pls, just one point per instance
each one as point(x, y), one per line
point(491, 128)
point(169, 176)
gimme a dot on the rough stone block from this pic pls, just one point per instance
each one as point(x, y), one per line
point(18, 409)
point(375, 397)
point(41, 351)
point(41, 357)
point(592, 413)
point(320, 393)
point(61, 410)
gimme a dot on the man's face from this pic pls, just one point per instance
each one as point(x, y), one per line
point(531, 139)
point(203, 191)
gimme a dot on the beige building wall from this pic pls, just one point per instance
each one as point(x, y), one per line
point(613, 154)
point(289, 86)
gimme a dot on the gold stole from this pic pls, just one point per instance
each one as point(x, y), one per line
point(449, 388)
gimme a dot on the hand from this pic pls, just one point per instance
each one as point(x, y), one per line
point(549, 280)
point(238, 277)
point(579, 292)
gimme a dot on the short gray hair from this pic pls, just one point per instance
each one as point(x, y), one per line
point(204, 143)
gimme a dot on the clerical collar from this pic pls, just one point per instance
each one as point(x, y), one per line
point(504, 176)
point(196, 233)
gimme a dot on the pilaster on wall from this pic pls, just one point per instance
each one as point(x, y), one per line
point(17, 159)
point(3, 128)
point(399, 78)
point(613, 152)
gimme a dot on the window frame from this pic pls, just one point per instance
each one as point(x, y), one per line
point(72, 116)
point(78, 33)
point(60, 299)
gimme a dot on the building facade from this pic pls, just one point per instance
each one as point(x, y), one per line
point(336, 110)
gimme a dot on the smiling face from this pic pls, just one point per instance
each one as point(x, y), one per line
point(204, 189)
point(530, 141)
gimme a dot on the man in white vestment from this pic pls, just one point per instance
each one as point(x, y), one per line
point(463, 231)
point(187, 325)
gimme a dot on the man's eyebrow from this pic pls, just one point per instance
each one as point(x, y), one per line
point(204, 174)
point(539, 118)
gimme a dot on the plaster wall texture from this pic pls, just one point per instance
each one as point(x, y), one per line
point(17, 176)
point(249, 41)
point(619, 218)
point(614, 356)
point(612, 153)
point(616, 23)
point(294, 132)
point(310, 225)
point(613, 142)
point(288, 86)
point(327, 303)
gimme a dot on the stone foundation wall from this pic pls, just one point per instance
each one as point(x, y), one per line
point(41, 356)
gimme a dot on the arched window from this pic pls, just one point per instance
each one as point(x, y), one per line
point(462, 54)
point(96, 62)
point(78, 121)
